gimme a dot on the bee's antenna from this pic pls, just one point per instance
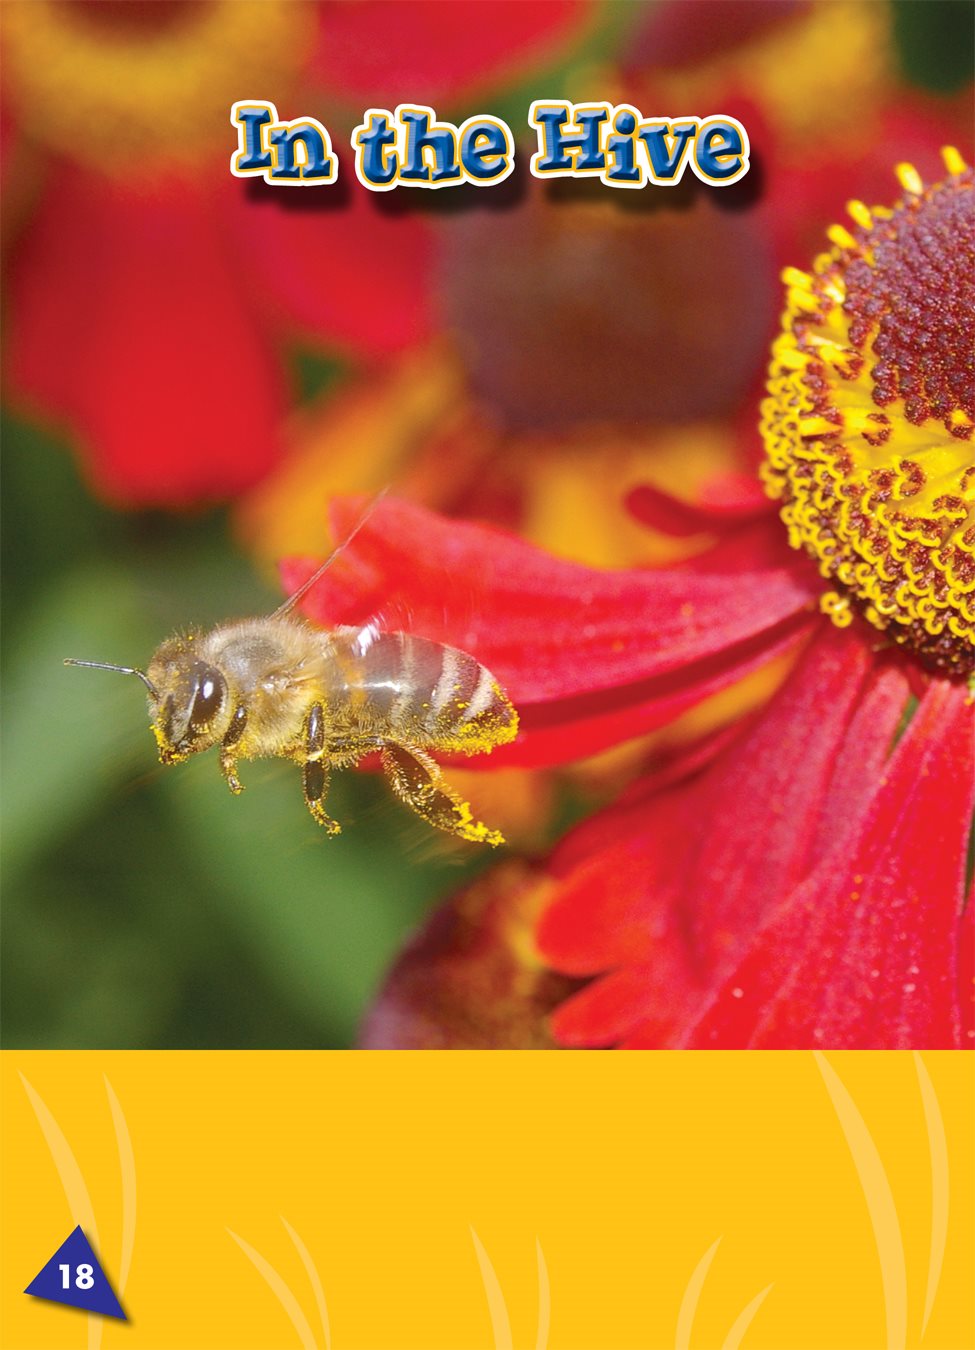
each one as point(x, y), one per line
point(306, 586)
point(121, 670)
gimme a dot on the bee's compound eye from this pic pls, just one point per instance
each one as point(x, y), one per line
point(208, 697)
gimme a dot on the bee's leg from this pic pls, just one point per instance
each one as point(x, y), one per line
point(417, 780)
point(228, 757)
point(315, 773)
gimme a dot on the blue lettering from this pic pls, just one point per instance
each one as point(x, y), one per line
point(317, 163)
point(620, 149)
point(484, 149)
point(554, 143)
point(375, 165)
point(251, 157)
point(666, 166)
point(719, 151)
point(442, 140)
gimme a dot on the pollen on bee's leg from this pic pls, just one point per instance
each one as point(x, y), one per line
point(315, 783)
point(228, 767)
point(475, 830)
point(327, 822)
point(416, 779)
point(868, 424)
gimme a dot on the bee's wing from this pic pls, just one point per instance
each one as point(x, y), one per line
point(373, 591)
point(296, 596)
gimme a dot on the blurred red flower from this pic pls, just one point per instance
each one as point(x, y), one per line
point(151, 293)
point(643, 295)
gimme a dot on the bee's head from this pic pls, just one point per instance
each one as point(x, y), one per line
point(188, 704)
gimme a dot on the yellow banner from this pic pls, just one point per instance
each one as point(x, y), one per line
point(263, 1201)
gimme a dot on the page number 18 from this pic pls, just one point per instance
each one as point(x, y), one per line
point(84, 1277)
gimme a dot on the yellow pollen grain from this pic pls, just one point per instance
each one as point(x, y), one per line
point(802, 299)
point(909, 179)
point(859, 213)
point(953, 161)
point(840, 236)
point(476, 830)
point(791, 276)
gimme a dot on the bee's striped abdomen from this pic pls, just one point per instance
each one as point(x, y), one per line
point(423, 692)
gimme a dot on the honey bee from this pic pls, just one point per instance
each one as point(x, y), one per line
point(325, 698)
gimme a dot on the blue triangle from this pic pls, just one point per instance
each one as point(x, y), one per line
point(74, 1276)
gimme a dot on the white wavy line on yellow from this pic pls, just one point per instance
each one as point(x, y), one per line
point(495, 1299)
point(281, 1292)
point(744, 1320)
point(880, 1203)
point(692, 1295)
point(75, 1190)
point(544, 1300)
point(938, 1149)
point(314, 1279)
point(126, 1165)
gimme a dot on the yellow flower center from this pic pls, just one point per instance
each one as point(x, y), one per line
point(868, 424)
point(135, 88)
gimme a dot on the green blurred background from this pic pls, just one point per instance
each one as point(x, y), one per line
point(147, 908)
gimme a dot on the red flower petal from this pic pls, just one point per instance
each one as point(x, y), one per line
point(657, 509)
point(602, 1014)
point(470, 979)
point(862, 758)
point(966, 971)
point(382, 53)
point(336, 263)
point(758, 547)
point(628, 815)
point(573, 728)
point(863, 955)
point(548, 629)
point(728, 842)
point(683, 881)
point(129, 323)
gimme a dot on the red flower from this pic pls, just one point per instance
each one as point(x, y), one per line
point(152, 293)
point(798, 881)
point(154, 325)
